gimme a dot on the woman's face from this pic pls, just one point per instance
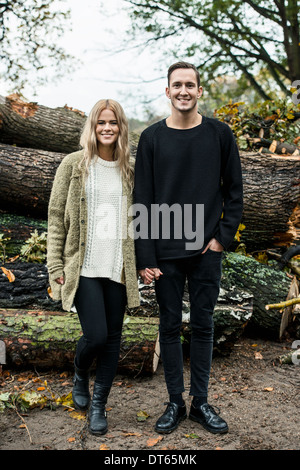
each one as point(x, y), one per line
point(107, 129)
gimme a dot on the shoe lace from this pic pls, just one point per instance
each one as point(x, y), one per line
point(213, 408)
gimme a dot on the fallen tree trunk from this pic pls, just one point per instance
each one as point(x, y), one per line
point(271, 212)
point(267, 286)
point(29, 290)
point(271, 200)
point(26, 179)
point(34, 126)
point(242, 275)
point(48, 339)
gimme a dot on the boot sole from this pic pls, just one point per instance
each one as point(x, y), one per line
point(208, 428)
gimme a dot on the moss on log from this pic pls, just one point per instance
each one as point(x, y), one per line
point(48, 339)
point(266, 284)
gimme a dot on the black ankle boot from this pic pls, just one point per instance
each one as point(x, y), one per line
point(81, 393)
point(97, 413)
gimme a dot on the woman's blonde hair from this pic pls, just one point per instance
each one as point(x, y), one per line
point(89, 141)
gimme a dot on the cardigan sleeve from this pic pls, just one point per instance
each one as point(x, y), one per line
point(56, 216)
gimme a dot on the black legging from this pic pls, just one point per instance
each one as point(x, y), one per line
point(100, 304)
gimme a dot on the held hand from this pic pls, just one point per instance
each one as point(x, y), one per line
point(60, 280)
point(213, 245)
point(148, 274)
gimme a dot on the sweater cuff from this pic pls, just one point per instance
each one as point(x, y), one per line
point(55, 274)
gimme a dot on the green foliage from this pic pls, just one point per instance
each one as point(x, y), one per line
point(226, 37)
point(273, 119)
point(35, 248)
point(29, 399)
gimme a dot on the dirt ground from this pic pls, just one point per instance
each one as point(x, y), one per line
point(258, 397)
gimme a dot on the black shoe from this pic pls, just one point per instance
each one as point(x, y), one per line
point(207, 416)
point(81, 393)
point(171, 418)
point(97, 412)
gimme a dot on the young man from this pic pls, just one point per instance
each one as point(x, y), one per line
point(187, 165)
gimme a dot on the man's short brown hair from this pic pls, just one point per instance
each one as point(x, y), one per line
point(183, 65)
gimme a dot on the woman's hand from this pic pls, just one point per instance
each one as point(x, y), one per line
point(60, 280)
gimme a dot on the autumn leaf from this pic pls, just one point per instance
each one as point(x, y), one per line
point(192, 436)
point(9, 274)
point(65, 400)
point(11, 260)
point(31, 399)
point(78, 415)
point(71, 439)
point(268, 389)
point(152, 441)
point(142, 415)
point(103, 447)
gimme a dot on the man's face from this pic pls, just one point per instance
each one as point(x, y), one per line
point(183, 90)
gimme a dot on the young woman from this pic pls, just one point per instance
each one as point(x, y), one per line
point(91, 261)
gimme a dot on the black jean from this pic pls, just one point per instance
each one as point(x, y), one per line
point(100, 304)
point(203, 275)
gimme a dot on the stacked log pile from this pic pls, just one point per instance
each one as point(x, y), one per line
point(33, 141)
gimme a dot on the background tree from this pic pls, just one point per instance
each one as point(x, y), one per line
point(29, 32)
point(252, 39)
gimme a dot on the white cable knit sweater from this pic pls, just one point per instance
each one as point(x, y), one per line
point(103, 255)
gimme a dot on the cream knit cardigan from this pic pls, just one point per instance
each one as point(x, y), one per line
point(67, 234)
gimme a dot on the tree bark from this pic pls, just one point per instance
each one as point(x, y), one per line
point(271, 200)
point(29, 290)
point(34, 126)
point(35, 336)
point(48, 339)
point(242, 276)
point(26, 178)
point(271, 212)
point(267, 286)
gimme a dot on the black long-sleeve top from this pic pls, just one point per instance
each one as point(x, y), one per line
point(186, 167)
